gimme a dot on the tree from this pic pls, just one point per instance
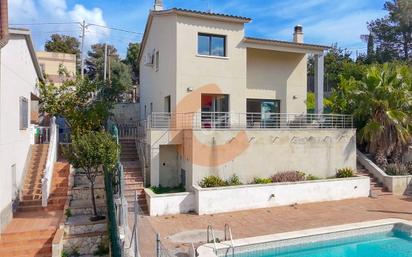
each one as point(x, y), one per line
point(74, 101)
point(132, 60)
point(91, 152)
point(382, 106)
point(62, 44)
point(95, 60)
point(393, 33)
point(335, 60)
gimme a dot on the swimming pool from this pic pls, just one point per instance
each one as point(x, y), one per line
point(387, 244)
point(382, 238)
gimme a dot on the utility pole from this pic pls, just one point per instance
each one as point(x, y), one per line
point(83, 25)
point(105, 62)
point(108, 69)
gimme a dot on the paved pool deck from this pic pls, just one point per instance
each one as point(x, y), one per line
point(271, 220)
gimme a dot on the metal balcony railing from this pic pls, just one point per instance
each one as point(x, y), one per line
point(229, 120)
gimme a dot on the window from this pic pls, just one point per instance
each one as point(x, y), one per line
point(157, 61)
point(24, 113)
point(145, 111)
point(263, 113)
point(215, 110)
point(168, 108)
point(151, 108)
point(213, 45)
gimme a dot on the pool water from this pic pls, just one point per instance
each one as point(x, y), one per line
point(390, 244)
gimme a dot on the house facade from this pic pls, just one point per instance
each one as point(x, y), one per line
point(19, 75)
point(52, 63)
point(216, 102)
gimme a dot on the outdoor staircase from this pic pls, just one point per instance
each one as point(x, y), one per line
point(132, 174)
point(377, 189)
point(32, 229)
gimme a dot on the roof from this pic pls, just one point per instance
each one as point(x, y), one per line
point(187, 12)
point(280, 43)
point(27, 36)
point(211, 14)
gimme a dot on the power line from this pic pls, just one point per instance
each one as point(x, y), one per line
point(118, 29)
point(44, 23)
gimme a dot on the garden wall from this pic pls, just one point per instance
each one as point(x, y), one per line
point(398, 185)
point(165, 204)
point(236, 198)
point(245, 197)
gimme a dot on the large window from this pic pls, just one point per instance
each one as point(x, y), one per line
point(213, 45)
point(262, 113)
point(215, 110)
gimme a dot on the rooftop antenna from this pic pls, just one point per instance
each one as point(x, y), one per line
point(208, 6)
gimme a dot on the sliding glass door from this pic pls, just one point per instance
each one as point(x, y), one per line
point(262, 113)
point(215, 111)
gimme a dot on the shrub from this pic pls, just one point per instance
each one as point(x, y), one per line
point(312, 177)
point(409, 166)
point(394, 169)
point(344, 173)
point(68, 212)
point(233, 181)
point(262, 180)
point(212, 181)
point(288, 176)
point(165, 190)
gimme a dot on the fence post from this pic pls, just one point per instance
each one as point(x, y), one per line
point(157, 245)
point(136, 244)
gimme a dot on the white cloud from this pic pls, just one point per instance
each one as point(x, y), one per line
point(40, 11)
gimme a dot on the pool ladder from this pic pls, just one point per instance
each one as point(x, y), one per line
point(228, 237)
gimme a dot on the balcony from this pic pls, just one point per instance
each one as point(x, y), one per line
point(230, 120)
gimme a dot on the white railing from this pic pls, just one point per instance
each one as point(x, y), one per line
point(229, 120)
point(46, 181)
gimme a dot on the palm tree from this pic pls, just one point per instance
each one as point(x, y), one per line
point(384, 101)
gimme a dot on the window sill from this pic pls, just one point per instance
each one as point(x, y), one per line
point(213, 56)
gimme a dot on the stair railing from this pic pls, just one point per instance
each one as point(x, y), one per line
point(46, 181)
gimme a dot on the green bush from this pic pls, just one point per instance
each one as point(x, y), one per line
point(312, 177)
point(166, 190)
point(288, 176)
point(394, 169)
point(345, 173)
point(234, 181)
point(262, 180)
point(212, 181)
point(68, 212)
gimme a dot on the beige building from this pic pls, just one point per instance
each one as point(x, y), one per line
point(216, 102)
point(51, 63)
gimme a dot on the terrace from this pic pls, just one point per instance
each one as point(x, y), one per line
point(231, 120)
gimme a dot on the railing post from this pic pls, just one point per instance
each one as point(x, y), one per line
point(157, 245)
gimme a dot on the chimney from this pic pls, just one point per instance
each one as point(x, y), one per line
point(158, 5)
point(298, 34)
point(4, 23)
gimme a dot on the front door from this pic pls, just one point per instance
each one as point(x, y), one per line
point(262, 113)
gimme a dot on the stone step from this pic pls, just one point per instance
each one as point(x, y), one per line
point(88, 241)
point(26, 250)
point(82, 207)
point(37, 240)
point(80, 224)
point(27, 235)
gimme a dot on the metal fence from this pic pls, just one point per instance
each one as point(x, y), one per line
point(229, 120)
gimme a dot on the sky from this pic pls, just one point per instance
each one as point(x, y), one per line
point(324, 21)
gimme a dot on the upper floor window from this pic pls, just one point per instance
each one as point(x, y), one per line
point(24, 113)
point(157, 61)
point(209, 44)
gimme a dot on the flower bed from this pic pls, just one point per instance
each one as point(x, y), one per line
point(245, 197)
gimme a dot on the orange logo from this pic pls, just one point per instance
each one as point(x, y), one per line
point(194, 150)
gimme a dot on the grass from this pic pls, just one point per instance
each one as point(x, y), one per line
point(167, 190)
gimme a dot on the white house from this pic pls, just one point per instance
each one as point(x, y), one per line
point(216, 102)
point(19, 75)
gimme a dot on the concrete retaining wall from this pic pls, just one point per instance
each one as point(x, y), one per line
point(165, 204)
point(245, 197)
point(398, 185)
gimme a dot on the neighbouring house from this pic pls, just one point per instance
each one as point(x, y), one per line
point(19, 75)
point(52, 64)
point(216, 102)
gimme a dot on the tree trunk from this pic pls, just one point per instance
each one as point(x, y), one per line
point(380, 157)
point(93, 200)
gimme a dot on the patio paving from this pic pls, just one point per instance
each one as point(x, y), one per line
point(271, 220)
